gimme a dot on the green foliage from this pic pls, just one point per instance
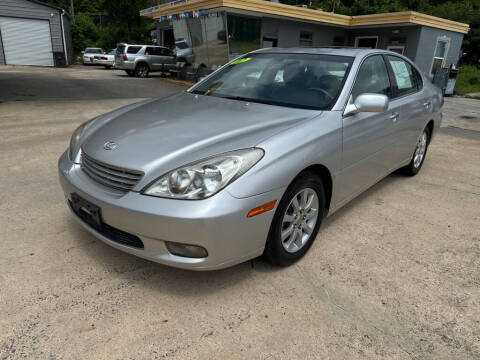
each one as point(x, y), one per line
point(104, 23)
point(127, 12)
point(84, 32)
point(466, 11)
point(468, 80)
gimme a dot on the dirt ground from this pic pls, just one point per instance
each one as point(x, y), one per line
point(393, 275)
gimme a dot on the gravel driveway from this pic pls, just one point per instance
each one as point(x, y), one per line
point(393, 275)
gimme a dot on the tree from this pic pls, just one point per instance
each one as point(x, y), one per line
point(127, 12)
point(84, 32)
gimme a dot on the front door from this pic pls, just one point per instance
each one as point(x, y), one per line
point(366, 136)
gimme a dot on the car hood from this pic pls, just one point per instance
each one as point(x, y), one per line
point(163, 134)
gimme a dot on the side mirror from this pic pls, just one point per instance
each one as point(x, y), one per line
point(367, 103)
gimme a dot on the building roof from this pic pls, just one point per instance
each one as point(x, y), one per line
point(299, 13)
point(45, 4)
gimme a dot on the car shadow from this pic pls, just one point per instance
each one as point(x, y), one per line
point(188, 283)
point(160, 277)
point(345, 210)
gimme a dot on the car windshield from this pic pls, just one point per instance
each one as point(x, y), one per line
point(306, 81)
point(112, 52)
point(93, 51)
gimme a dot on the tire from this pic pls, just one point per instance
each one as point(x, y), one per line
point(296, 240)
point(130, 72)
point(142, 70)
point(108, 67)
point(419, 155)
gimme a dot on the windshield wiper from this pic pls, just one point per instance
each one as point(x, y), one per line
point(241, 98)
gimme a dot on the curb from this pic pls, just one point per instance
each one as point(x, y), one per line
point(178, 82)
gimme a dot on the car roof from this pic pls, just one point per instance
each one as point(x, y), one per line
point(341, 51)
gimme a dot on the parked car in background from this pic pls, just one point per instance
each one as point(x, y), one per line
point(107, 60)
point(250, 160)
point(184, 52)
point(140, 60)
point(88, 56)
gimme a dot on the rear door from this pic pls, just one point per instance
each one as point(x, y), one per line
point(168, 58)
point(26, 41)
point(154, 58)
point(411, 105)
point(366, 136)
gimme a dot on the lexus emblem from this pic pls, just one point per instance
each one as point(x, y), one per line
point(110, 145)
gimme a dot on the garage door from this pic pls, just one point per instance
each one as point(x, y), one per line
point(26, 42)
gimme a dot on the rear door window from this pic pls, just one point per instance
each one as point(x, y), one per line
point(133, 49)
point(150, 50)
point(405, 76)
point(166, 52)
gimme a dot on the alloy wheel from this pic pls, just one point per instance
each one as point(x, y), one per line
point(420, 150)
point(299, 220)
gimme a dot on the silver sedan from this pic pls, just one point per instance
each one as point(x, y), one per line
point(250, 160)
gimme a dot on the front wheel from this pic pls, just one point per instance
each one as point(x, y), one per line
point(419, 154)
point(142, 70)
point(296, 221)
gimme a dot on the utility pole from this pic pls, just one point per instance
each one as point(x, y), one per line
point(72, 10)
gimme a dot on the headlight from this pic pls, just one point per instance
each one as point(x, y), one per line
point(74, 139)
point(204, 178)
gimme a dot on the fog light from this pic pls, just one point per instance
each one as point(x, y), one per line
point(185, 250)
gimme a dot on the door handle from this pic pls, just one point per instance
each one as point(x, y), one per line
point(427, 104)
point(394, 116)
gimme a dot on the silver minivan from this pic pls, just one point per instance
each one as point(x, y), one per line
point(140, 60)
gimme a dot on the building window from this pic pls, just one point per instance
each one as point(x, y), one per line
point(368, 42)
point(440, 54)
point(399, 49)
point(338, 41)
point(306, 38)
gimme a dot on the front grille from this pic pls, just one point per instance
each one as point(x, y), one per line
point(108, 231)
point(110, 176)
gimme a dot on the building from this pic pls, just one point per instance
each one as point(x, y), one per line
point(218, 30)
point(33, 33)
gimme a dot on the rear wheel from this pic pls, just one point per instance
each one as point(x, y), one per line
point(419, 154)
point(296, 221)
point(142, 70)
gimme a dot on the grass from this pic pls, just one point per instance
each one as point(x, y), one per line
point(468, 80)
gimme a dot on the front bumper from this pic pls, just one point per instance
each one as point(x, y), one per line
point(88, 59)
point(219, 224)
point(103, 62)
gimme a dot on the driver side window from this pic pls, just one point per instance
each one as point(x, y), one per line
point(372, 78)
